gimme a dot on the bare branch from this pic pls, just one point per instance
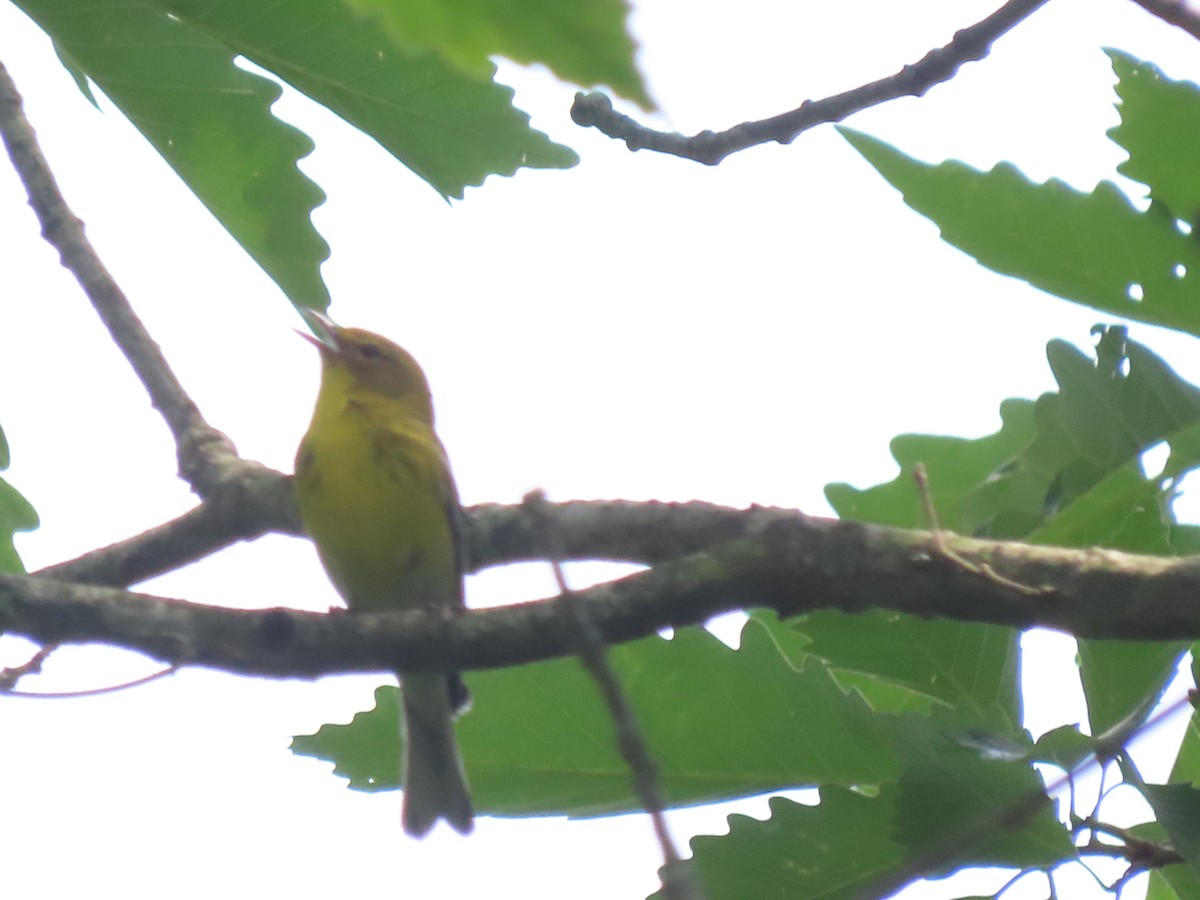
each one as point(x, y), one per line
point(796, 566)
point(255, 503)
point(93, 692)
point(10, 676)
point(495, 534)
point(631, 742)
point(1176, 12)
point(612, 530)
point(709, 147)
point(206, 456)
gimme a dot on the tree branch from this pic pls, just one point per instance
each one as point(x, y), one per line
point(254, 503)
point(1176, 12)
point(262, 502)
point(207, 458)
point(708, 147)
point(795, 566)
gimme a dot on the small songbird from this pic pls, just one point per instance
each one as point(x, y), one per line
point(377, 497)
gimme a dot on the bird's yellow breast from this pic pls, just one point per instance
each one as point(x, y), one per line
point(377, 498)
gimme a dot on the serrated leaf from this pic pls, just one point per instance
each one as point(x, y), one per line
point(1069, 475)
point(450, 128)
point(210, 120)
point(77, 74)
point(1091, 248)
point(956, 467)
point(721, 723)
point(1100, 419)
point(955, 808)
point(836, 849)
point(583, 41)
point(1023, 481)
point(366, 750)
point(882, 695)
point(16, 514)
point(960, 664)
point(1125, 510)
point(1160, 119)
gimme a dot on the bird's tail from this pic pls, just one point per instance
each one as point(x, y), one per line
point(435, 784)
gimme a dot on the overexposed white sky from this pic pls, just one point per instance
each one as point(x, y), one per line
point(637, 327)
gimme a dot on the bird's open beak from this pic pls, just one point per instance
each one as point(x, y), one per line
point(324, 336)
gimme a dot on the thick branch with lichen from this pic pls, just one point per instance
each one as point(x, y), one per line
point(793, 566)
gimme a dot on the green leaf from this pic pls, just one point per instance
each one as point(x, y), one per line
point(948, 801)
point(583, 41)
point(1078, 446)
point(1069, 474)
point(957, 808)
point(1159, 122)
point(1184, 540)
point(721, 723)
point(960, 664)
point(882, 695)
point(1178, 882)
point(1177, 809)
point(210, 120)
point(1105, 415)
point(16, 514)
point(450, 128)
point(837, 849)
point(955, 662)
point(1187, 760)
point(77, 74)
point(1123, 680)
point(365, 751)
point(1065, 747)
point(1092, 248)
point(1125, 510)
point(1173, 882)
point(956, 467)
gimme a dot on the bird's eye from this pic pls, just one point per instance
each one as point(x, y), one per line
point(369, 351)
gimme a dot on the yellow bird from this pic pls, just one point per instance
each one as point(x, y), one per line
point(377, 497)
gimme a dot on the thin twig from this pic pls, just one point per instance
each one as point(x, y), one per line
point(1015, 816)
point(708, 147)
point(10, 676)
point(92, 692)
point(205, 454)
point(1175, 12)
point(983, 570)
point(678, 881)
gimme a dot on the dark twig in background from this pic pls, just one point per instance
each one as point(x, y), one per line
point(93, 692)
point(205, 454)
point(709, 147)
point(1141, 853)
point(10, 676)
point(1176, 12)
point(631, 742)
